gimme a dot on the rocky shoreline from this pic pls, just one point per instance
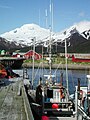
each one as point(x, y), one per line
point(59, 66)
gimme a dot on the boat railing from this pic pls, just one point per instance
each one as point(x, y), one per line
point(84, 114)
point(81, 101)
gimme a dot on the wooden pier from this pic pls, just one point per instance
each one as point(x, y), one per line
point(14, 104)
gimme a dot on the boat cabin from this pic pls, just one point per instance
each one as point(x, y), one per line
point(55, 100)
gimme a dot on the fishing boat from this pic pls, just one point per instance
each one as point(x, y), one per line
point(50, 100)
point(82, 94)
point(80, 58)
point(82, 100)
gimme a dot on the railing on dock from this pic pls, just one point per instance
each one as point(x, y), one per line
point(27, 105)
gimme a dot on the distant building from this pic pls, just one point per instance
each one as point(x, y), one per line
point(16, 55)
point(19, 54)
point(30, 54)
point(2, 52)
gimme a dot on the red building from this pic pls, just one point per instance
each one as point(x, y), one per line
point(30, 54)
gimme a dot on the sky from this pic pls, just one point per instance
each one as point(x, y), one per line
point(15, 13)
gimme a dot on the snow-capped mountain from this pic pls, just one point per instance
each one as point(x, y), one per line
point(83, 28)
point(24, 35)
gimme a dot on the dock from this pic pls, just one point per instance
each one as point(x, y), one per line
point(14, 104)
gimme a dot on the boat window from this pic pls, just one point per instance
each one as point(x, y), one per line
point(49, 93)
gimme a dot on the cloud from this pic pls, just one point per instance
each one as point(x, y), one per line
point(4, 7)
point(81, 14)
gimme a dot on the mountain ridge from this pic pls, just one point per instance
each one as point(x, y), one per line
point(23, 36)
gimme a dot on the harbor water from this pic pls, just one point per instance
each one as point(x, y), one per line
point(73, 76)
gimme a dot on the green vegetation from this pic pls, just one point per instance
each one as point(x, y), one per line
point(57, 60)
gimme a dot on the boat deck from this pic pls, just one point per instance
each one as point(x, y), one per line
point(11, 101)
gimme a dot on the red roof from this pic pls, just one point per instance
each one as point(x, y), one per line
point(30, 54)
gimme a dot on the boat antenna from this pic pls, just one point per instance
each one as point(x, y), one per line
point(52, 17)
point(46, 17)
point(39, 17)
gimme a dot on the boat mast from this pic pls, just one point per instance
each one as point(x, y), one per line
point(50, 53)
point(52, 16)
point(42, 66)
point(50, 28)
point(33, 60)
point(66, 64)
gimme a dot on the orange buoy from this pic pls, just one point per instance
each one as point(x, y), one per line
point(55, 106)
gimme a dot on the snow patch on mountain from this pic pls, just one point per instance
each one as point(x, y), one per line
point(83, 26)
